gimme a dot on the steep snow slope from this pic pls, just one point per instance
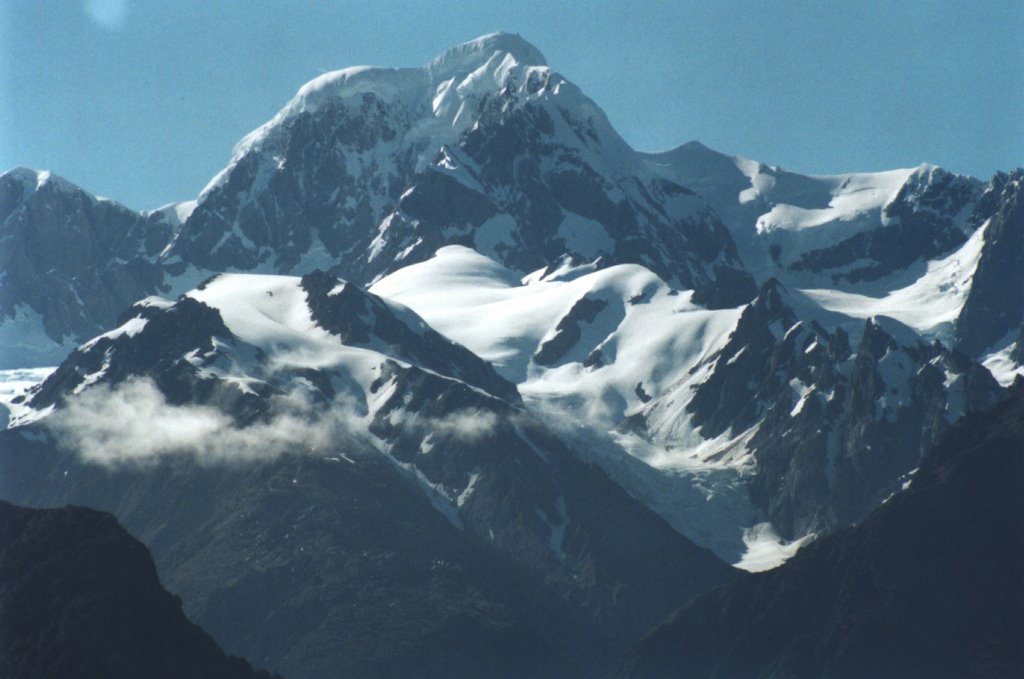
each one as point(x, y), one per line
point(588, 349)
point(929, 304)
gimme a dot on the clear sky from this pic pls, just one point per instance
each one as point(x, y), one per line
point(142, 100)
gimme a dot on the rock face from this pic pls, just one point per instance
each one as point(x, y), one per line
point(930, 584)
point(995, 306)
point(367, 496)
point(79, 597)
point(922, 222)
point(71, 264)
point(833, 428)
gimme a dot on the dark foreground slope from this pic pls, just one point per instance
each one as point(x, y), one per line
point(930, 585)
point(322, 568)
point(79, 597)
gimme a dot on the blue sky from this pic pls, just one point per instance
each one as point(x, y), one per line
point(142, 100)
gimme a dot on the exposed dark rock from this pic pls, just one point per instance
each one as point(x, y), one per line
point(729, 397)
point(836, 431)
point(159, 350)
point(79, 597)
point(1018, 351)
point(75, 260)
point(305, 189)
point(995, 305)
point(931, 584)
point(355, 315)
point(568, 332)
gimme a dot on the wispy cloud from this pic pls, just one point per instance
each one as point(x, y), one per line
point(134, 424)
point(468, 426)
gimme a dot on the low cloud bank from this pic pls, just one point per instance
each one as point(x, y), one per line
point(134, 424)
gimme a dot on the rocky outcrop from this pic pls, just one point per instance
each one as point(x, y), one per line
point(71, 263)
point(832, 427)
point(995, 305)
point(929, 584)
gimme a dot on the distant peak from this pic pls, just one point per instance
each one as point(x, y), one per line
point(695, 146)
point(27, 175)
point(35, 179)
point(20, 172)
point(696, 149)
point(927, 170)
point(474, 52)
point(502, 51)
point(692, 150)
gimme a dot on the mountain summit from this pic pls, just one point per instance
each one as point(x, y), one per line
point(366, 170)
point(440, 377)
point(369, 169)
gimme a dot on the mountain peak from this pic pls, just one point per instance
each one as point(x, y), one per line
point(35, 179)
point(470, 55)
point(497, 53)
point(695, 146)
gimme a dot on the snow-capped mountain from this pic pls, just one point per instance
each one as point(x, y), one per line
point(762, 408)
point(366, 170)
point(904, 243)
point(257, 336)
point(841, 231)
point(455, 295)
point(370, 169)
point(833, 424)
point(489, 194)
point(69, 265)
point(258, 370)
